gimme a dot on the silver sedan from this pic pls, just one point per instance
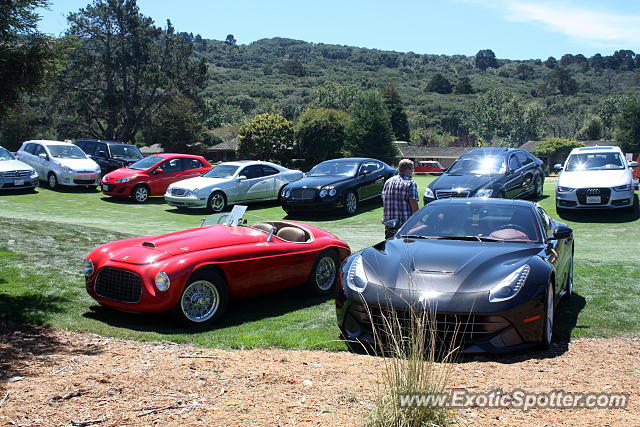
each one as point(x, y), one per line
point(230, 183)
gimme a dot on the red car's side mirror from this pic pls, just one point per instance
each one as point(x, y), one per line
point(158, 171)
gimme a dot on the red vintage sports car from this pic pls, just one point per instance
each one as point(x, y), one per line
point(195, 273)
point(428, 167)
point(152, 175)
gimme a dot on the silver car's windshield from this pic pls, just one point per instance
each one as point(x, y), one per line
point(339, 168)
point(478, 164)
point(222, 171)
point(145, 163)
point(480, 221)
point(594, 162)
point(66, 152)
point(5, 154)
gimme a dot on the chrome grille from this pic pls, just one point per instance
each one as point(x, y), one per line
point(178, 192)
point(448, 194)
point(119, 285)
point(303, 193)
point(17, 174)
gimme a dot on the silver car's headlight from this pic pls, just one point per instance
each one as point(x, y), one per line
point(626, 187)
point(565, 189)
point(34, 174)
point(66, 169)
point(162, 281)
point(510, 285)
point(87, 267)
point(429, 193)
point(484, 192)
point(356, 276)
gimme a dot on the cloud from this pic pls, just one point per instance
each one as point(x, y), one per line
point(582, 24)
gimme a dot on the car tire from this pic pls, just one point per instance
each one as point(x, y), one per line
point(203, 300)
point(217, 202)
point(350, 202)
point(52, 180)
point(140, 193)
point(539, 187)
point(549, 314)
point(569, 285)
point(324, 275)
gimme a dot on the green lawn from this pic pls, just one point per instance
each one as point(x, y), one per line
point(46, 235)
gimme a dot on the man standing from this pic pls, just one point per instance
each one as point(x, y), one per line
point(400, 197)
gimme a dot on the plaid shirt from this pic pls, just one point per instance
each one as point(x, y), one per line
point(397, 192)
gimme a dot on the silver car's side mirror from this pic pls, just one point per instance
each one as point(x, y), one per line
point(557, 167)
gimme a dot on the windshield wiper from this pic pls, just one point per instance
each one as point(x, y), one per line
point(470, 238)
point(417, 236)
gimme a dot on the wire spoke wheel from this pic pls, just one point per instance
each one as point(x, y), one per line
point(200, 301)
point(351, 203)
point(325, 273)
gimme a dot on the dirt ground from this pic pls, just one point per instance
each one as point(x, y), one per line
point(54, 377)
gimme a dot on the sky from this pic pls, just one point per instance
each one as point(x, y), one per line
point(513, 29)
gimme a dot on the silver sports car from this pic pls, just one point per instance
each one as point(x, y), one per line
point(230, 183)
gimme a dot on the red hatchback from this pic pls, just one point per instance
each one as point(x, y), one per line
point(152, 175)
point(428, 167)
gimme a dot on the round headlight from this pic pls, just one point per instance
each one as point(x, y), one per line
point(332, 192)
point(87, 268)
point(323, 193)
point(162, 281)
point(287, 193)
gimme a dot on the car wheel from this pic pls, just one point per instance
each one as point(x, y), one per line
point(217, 201)
point(351, 202)
point(549, 311)
point(140, 193)
point(568, 289)
point(203, 301)
point(324, 274)
point(52, 180)
point(539, 187)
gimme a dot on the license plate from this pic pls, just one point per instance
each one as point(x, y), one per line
point(106, 187)
point(594, 199)
point(84, 177)
point(18, 182)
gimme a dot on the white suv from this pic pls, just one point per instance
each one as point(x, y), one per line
point(60, 163)
point(595, 177)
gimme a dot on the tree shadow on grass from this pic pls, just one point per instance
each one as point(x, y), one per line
point(153, 200)
point(238, 313)
point(336, 214)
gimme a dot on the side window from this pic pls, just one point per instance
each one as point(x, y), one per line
point(514, 163)
point(39, 149)
point(189, 164)
point(30, 148)
point(170, 166)
point(89, 148)
point(524, 158)
point(546, 222)
point(101, 149)
point(369, 167)
point(251, 172)
point(268, 170)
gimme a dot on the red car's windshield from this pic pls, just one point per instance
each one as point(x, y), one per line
point(145, 163)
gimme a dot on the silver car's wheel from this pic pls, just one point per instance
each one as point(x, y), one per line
point(200, 301)
point(217, 201)
point(351, 203)
point(141, 193)
point(53, 180)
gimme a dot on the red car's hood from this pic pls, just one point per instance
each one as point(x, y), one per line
point(121, 173)
point(157, 248)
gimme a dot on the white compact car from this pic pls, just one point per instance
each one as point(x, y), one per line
point(60, 163)
point(230, 183)
point(14, 174)
point(595, 177)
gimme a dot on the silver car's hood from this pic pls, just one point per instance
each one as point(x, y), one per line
point(600, 178)
point(14, 165)
point(78, 164)
point(199, 183)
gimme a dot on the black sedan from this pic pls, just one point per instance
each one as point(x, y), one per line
point(337, 184)
point(110, 155)
point(490, 172)
point(489, 271)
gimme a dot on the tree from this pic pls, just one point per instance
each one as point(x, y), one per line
point(320, 133)
point(560, 81)
point(369, 133)
point(592, 129)
point(123, 71)
point(27, 58)
point(439, 84)
point(267, 137)
point(230, 40)
point(627, 123)
point(500, 118)
point(399, 121)
point(463, 87)
point(551, 63)
point(292, 67)
point(486, 59)
point(556, 147)
point(524, 71)
point(336, 95)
